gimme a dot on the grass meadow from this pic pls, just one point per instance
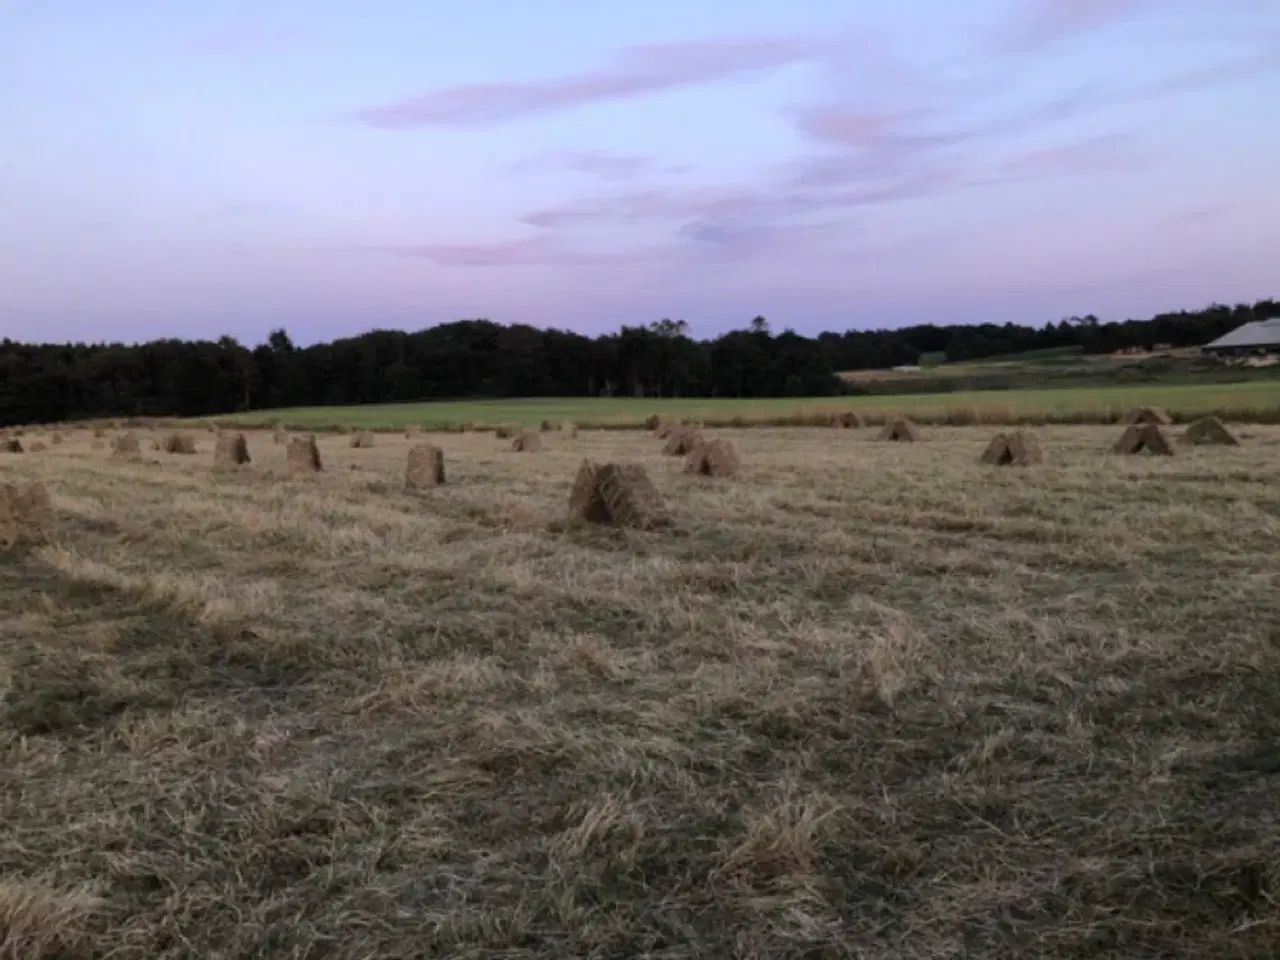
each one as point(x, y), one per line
point(1256, 400)
point(862, 700)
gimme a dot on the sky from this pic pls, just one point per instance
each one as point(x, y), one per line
point(228, 167)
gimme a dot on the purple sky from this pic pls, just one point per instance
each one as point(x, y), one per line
point(195, 169)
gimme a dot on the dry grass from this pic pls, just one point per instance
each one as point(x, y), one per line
point(868, 699)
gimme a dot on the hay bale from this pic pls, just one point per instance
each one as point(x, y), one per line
point(303, 455)
point(569, 428)
point(527, 442)
point(126, 446)
point(1144, 436)
point(506, 431)
point(466, 426)
point(630, 496)
point(1018, 449)
point(38, 446)
point(362, 439)
point(57, 437)
point(901, 430)
point(1141, 415)
point(585, 500)
point(713, 458)
point(849, 420)
point(178, 443)
point(231, 451)
point(652, 422)
point(547, 426)
point(619, 494)
point(26, 515)
point(279, 437)
point(680, 442)
point(11, 445)
point(425, 468)
point(413, 430)
point(99, 433)
point(1209, 431)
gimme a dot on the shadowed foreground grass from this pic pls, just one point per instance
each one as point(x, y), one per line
point(864, 700)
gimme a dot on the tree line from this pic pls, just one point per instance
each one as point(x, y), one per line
point(471, 359)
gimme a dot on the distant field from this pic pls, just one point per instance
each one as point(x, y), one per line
point(1051, 361)
point(1255, 400)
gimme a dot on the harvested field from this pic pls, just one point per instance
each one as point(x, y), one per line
point(869, 699)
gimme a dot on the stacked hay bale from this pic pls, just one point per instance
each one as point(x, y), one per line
point(230, 451)
point(425, 467)
point(527, 442)
point(1150, 437)
point(713, 458)
point(178, 443)
point(680, 441)
point(547, 426)
point(619, 494)
point(11, 445)
point(126, 446)
point(303, 455)
point(1209, 431)
point(1019, 449)
point(26, 515)
point(900, 430)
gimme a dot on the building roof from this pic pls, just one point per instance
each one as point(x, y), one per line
point(1260, 333)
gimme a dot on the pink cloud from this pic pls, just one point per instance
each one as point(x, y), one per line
point(1112, 152)
point(531, 252)
point(599, 164)
point(1045, 22)
point(645, 205)
point(634, 72)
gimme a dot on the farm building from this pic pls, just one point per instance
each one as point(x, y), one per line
point(1260, 336)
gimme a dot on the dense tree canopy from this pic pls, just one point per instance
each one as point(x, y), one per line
point(479, 358)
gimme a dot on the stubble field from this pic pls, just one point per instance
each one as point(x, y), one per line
point(864, 699)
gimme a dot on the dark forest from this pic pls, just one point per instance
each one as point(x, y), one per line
point(43, 383)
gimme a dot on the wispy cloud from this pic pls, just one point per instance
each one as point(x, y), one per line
point(1111, 152)
point(1041, 24)
point(529, 252)
point(1045, 22)
point(599, 164)
point(634, 72)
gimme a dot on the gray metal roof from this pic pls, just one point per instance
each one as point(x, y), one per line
point(1260, 333)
